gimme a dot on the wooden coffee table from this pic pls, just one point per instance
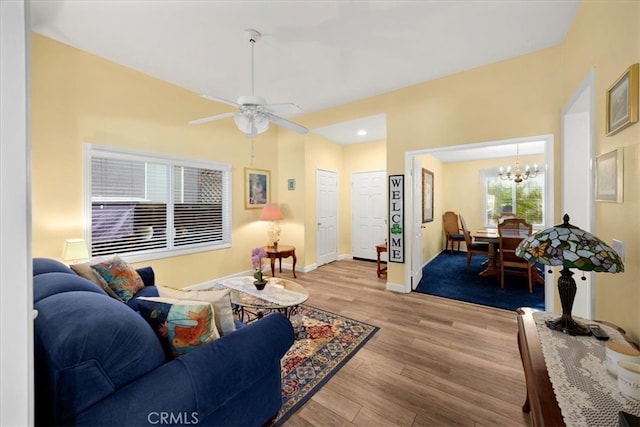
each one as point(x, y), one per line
point(278, 295)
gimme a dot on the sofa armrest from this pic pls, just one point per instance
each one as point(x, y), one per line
point(234, 380)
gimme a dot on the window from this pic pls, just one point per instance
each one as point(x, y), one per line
point(146, 204)
point(525, 199)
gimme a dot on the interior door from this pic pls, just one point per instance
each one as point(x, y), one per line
point(368, 213)
point(326, 216)
point(416, 247)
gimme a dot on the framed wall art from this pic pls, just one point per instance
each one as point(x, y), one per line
point(622, 101)
point(609, 176)
point(427, 195)
point(257, 188)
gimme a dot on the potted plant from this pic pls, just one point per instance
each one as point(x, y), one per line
point(257, 255)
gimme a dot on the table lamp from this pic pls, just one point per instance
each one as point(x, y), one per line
point(75, 250)
point(271, 212)
point(570, 247)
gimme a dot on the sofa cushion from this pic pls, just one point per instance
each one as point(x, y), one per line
point(47, 265)
point(123, 279)
point(85, 270)
point(90, 345)
point(47, 284)
point(220, 298)
point(182, 326)
point(147, 291)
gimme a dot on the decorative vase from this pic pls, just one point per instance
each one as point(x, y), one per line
point(260, 284)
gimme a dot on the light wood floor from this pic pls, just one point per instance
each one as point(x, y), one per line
point(433, 362)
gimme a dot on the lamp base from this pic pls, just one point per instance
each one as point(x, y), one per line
point(567, 325)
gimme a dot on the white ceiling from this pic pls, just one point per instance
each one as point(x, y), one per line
point(314, 53)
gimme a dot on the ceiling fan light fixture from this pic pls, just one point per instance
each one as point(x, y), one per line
point(245, 121)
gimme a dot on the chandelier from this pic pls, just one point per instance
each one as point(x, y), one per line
point(516, 174)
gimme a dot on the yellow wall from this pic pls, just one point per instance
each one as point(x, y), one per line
point(605, 35)
point(80, 98)
point(432, 233)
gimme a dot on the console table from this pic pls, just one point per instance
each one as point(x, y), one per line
point(567, 380)
point(279, 252)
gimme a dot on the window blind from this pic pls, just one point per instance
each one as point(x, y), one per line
point(152, 204)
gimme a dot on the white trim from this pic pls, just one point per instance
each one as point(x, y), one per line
point(397, 287)
point(16, 271)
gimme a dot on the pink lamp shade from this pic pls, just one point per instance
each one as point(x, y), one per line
point(271, 212)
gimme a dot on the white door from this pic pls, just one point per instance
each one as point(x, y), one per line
point(326, 216)
point(577, 179)
point(368, 213)
point(416, 247)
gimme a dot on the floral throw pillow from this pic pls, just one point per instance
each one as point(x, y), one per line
point(181, 326)
point(123, 279)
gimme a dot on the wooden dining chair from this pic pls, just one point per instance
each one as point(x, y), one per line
point(451, 229)
point(511, 232)
point(472, 248)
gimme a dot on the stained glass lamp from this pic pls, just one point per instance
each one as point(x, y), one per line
point(570, 247)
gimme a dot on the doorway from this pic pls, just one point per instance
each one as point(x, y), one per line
point(476, 149)
point(326, 216)
point(368, 213)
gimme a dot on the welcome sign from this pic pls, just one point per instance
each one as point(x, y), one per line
point(396, 218)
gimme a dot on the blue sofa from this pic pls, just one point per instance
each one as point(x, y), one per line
point(98, 362)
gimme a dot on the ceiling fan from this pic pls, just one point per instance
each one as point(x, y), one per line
point(254, 114)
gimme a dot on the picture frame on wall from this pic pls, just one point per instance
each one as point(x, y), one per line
point(622, 101)
point(610, 176)
point(257, 188)
point(427, 195)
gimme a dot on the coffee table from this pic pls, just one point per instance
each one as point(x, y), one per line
point(278, 295)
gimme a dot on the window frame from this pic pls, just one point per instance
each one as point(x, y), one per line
point(485, 174)
point(94, 150)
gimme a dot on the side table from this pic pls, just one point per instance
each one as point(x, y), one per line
point(281, 251)
point(379, 249)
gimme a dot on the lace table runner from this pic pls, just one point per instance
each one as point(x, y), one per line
point(272, 292)
point(586, 393)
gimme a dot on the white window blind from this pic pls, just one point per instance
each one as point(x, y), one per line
point(150, 204)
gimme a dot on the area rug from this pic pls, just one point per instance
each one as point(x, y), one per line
point(445, 276)
point(324, 343)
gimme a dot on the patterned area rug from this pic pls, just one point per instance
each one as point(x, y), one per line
point(324, 343)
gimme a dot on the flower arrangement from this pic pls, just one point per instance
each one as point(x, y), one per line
point(257, 255)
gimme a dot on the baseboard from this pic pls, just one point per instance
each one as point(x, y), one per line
point(397, 287)
point(344, 256)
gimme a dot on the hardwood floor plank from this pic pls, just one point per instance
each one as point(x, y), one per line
point(434, 361)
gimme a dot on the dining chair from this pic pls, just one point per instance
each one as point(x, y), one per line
point(472, 248)
point(511, 232)
point(451, 229)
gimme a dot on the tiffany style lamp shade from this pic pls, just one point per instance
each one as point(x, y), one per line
point(570, 247)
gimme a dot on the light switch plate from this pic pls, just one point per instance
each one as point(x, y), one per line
point(618, 246)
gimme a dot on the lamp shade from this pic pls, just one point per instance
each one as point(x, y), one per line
point(75, 250)
point(571, 247)
point(271, 212)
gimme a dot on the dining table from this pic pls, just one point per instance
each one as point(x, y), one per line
point(491, 236)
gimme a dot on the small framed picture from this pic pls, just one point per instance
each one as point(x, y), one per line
point(609, 176)
point(257, 188)
point(427, 195)
point(291, 184)
point(622, 101)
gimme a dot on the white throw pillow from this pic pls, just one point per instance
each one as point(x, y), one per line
point(219, 298)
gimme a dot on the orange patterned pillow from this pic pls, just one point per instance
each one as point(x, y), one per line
point(121, 278)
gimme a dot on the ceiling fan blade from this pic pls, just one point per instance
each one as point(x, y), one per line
point(286, 123)
point(284, 108)
point(222, 100)
point(211, 118)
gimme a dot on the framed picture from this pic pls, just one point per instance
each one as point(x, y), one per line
point(427, 196)
point(609, 176)
point(622, 101)
point(257, 188)
point(291, 184)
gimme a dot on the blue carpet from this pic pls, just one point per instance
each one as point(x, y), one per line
point(445, 276)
